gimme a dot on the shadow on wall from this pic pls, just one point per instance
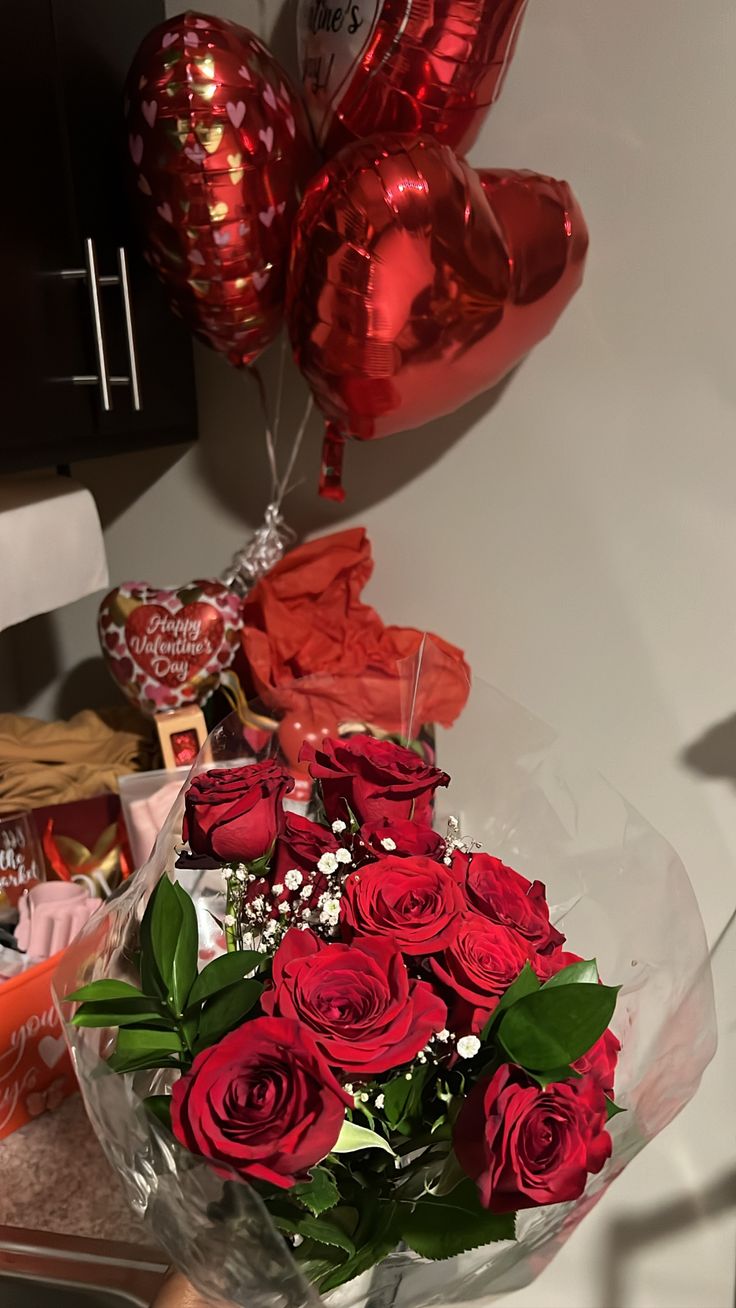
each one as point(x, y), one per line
point(27, 675)
point(631, 1236)
point(714, 753)
point(233, 462)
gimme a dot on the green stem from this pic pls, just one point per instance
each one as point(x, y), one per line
point(231, 930)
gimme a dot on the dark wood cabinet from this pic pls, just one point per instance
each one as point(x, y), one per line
point(73, 306)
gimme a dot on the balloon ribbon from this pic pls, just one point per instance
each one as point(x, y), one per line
point(333, 450)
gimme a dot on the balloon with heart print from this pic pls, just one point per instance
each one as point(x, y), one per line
point(372, 66)
point(166, 647)
point(416, 283)
point(218, 150)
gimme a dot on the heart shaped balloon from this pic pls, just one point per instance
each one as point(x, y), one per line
point(219, 149)
point(404, 66)
point(417, 283)
point(167, 647)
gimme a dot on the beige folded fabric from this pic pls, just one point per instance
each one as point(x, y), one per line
point(56, 762)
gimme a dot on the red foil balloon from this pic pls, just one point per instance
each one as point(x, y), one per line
point(416, 283)
point(219, 149)
point(432, 66)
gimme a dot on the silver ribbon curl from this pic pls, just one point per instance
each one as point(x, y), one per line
point(264, 550)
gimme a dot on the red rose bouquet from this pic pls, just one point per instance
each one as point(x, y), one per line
point(351, 1048)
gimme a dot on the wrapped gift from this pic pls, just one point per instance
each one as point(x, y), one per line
point(35, 1069)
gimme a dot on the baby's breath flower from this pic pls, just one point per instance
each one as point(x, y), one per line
point(306, 892)
point(278, 889)
point(343, 856)
point(293, 879)
point(388, 844)
point(380, 1101)
point(338, 826)
point(468, 1046)
point(328, 863)
point(330, 905)
point(229, 920)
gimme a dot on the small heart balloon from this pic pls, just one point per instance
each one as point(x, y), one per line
point(417, 283)
point(219, 149)
point(167, 647)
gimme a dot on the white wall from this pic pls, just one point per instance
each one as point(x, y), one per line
point(577, 537)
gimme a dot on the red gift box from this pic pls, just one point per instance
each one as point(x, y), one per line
point(35, 1069)
point(36, 1073)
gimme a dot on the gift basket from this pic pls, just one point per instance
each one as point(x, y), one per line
point(391, 1043)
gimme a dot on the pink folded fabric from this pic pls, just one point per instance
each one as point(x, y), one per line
point(51, 915)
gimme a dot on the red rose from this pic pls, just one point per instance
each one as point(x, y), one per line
point(399, 837)
point(373, 779)
point(508, 898)
point(299, 846)
point(524, 1146)
point(357, 1000)
point(600, 1062)
point(233, 814)
point(478, 966)
point(262, 1102)
point(547, 965)
point(413, 901)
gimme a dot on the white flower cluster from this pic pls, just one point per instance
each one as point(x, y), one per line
point(454, 841)
point(264, 917)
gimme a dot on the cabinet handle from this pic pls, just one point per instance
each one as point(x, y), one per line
point(135, 389)
point(94, 299)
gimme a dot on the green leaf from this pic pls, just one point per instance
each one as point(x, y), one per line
point(403, 1099)
point(326, 1232)
point(105, 989)
point(145, 1039)
point(585, 971)
point(225, 1010)
point(612, 1110)
point(186, 950)
point(133, 1062)
point(151, 979)
point(317, 1260)
point(395, 1098)
point(259, 866)
point(352, 1138)
point(450, 1177)
point(553, 1074)
point(371, 1246)
point(159, 1106)
point(552, 1028)
point(221, 973)
point(174, 941)
point(526, 983)
point(318, 1193)
point(444, 1227)
point(122, 1012)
